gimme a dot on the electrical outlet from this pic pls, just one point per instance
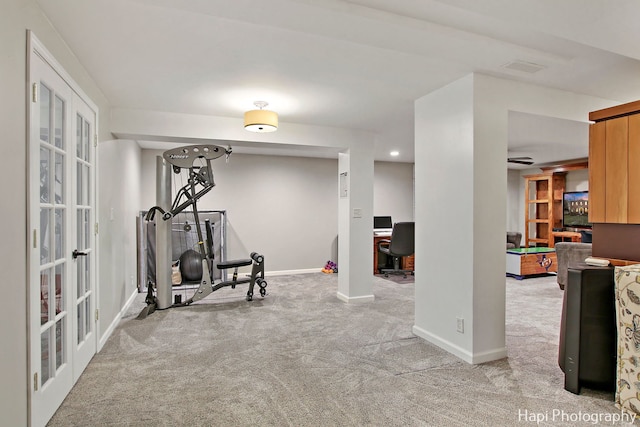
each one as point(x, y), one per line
point(460, 325)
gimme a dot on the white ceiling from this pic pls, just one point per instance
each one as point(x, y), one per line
point(353, 63)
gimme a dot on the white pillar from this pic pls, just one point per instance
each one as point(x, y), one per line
point(355, 224)
point(163, 234)
point(460, 222)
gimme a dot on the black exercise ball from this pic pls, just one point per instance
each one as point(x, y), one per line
point(191, 266)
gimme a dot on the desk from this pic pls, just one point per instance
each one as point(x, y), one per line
point(407, 261)
point(572, 235)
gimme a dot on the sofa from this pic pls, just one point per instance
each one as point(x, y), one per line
point(513, 239)
point(567, 254)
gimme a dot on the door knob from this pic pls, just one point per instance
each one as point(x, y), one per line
point(76, 253)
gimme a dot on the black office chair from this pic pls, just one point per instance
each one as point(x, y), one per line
point(400, 245)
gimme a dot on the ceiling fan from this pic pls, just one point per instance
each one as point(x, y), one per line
point(520, 160)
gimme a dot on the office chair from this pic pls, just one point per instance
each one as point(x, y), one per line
point(400, 245)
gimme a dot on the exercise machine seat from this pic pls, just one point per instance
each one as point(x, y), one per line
point(233, 263)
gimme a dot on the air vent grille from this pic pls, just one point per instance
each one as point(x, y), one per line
point(524, 66)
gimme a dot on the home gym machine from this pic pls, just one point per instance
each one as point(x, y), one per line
point(197, 160)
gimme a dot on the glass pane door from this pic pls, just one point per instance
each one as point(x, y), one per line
point(62, 261)
point(84, 254)
point(53, 227)
point(50, 208)
point(83, 266)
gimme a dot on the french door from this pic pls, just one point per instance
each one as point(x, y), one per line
point(62, 262)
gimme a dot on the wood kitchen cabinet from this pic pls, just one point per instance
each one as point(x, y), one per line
point(614, 165)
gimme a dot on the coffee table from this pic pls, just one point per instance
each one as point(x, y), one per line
point(523, 262)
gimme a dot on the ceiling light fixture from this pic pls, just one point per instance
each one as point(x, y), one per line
point(261, 120)
point(394, 153)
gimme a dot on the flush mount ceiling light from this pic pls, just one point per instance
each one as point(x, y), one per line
point(261, 120)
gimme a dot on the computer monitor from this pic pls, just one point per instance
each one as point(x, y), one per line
point(382, 222)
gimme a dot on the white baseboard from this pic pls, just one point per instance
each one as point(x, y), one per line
point(472, 358)
point(364, 298)
point(489, 356)
point(291, 272)
point(107, 333)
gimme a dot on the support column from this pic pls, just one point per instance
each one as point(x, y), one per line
point(355, 224)
point(460, 194)
point(163, 234)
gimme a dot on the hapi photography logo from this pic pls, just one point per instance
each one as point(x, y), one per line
point(562, 416)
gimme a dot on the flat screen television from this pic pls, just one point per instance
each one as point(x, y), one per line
point(575, 209)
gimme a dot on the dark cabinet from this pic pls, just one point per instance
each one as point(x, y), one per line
point(587, 350)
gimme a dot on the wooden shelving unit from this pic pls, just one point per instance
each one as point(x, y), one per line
point(543, 207)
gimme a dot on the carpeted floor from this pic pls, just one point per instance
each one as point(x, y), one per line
point(398, 278)
point(301, 357)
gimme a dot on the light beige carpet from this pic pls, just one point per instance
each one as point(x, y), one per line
point(301, 357)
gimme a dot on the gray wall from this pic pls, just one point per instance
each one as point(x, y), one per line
point(577, 180)
point(118, 204)
point(286, 207)
point(16, 17)
point(515, 205)
point(393, 190)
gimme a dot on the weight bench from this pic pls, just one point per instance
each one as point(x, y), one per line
point(257, 274)
point(256, 277)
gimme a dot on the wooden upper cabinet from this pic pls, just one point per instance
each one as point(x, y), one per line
point(634, 170)
point(597, 170)
point(616, 172)
point(627, 109)
point(614, 165)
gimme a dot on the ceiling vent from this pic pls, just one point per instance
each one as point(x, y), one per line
point(524, 66)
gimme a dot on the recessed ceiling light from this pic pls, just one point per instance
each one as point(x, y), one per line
point(394, 153)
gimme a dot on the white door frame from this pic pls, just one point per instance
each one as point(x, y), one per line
point(37, 52)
